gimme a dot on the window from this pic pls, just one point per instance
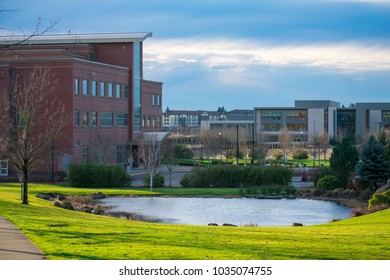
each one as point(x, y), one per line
point(153, 100)
point(76, 86)
point(106, 119)
point(143, 120)
point(102, 89)
point(271, 127)
point(85, 119)
point(121, 154)
point(109, 89)
point(93, 118)
point(3, 168)
point(158, 100)
point(126, 91)
point(93, 88)
point(85, 154)
point(118, 91)
point(77, 117)
point(85, 87)
point(122, 119)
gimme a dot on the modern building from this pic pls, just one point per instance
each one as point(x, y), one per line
point(100, 83)
point(311, 118)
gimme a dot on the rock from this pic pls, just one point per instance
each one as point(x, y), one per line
point(297, 224)
point(61, 197)
point(43, 196)
point(98, 195)
point(57, 203)
point(228, 225)
point(97, 212)
point(68, 207)
point(87, 209)
point(213, 224)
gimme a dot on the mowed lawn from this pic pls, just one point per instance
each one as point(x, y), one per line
point(65, 234)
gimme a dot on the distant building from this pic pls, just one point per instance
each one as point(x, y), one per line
point(310, 118)
point(101, 85)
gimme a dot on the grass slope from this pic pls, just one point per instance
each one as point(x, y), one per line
point(64, 234)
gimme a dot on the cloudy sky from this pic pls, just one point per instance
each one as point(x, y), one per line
point(239, 53)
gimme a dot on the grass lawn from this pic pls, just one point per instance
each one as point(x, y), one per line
point(64, 234)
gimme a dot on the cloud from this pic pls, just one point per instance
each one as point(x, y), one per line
point(239, 58)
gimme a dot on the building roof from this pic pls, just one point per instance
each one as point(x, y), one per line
point(75, 38)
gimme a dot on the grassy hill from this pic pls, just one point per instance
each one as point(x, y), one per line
point(65, 234)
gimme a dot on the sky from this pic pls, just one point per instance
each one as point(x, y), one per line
point(239, 54)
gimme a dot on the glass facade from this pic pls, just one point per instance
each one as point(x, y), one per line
point(137, 86)
point(346, 122)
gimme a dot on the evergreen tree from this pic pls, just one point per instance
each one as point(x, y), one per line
point(384, 139)
point(373, 166)
point(343, 160)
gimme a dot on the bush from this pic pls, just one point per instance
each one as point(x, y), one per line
point(182, 152)
point(379, 199)
point(279, 155)
point(319, 173)
point(89, 175)
point(300, 154)
point(233, 176)
point(158, 180)
point(328, 182)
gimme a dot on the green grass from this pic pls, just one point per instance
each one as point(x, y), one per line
point(64, 234)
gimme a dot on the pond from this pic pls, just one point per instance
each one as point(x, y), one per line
point(237, 211)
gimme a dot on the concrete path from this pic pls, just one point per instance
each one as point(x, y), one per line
point(14, 245)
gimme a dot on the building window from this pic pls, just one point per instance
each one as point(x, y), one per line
point(85, 87)
point(106, 119)
point(271, 127)
point(126, 91)
point(275, 116)
point(93, 118)
point(121, 154)
point(153, 100)
point(122, 119)
point(102, 89)
point(109, 89)
point(158, 100)
point(154, 121)
point(85, 119)
point(118, 91)
point(143, 120)
point(93, 88)
point(76, 87)
point(77, 117)
point(85, 154)
point(3, 168)
point(158, 121)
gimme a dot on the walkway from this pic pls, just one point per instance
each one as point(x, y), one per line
point(14, 245)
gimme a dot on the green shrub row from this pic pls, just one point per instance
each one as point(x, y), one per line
point(90, 175)
point(329, 182)
point(233, 176)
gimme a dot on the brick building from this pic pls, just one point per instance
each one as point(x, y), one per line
point(101, 86)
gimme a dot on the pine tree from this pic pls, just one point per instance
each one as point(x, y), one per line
point(343, 160)
point(373, 166)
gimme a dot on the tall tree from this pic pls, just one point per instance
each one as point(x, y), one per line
point(150, 151)
point(343, 160)
point(285, 139)
point(33, 118)
point(373, 166)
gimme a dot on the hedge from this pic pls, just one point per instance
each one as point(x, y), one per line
point(90, 175)
point(328, 182)
point(380, 198)
point(233, 176)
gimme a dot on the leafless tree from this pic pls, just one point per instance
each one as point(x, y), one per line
point(150, 152)
point(169, 157)
point(285, 139)
point(33, 118)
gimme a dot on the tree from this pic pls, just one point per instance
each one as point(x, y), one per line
point(373, 166)
point(32, 119)
point(343, 160)
point(169, 158)
point(384, 139)
point(285, 139)
point(150, 152)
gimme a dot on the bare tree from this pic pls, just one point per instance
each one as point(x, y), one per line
point(285, 139)
point(169, 159)
point(33, 118)
point(150, 151)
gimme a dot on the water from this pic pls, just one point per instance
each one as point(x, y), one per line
point(237, 211)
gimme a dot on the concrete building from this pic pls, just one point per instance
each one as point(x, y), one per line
point(101, 85)
point(310, 118)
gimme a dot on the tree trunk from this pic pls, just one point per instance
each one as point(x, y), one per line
point(25, 188)
point(151, 182)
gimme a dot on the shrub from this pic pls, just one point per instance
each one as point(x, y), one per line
point(279, 155)
point(158, 180)
point(319, 173)
point(182, 152)
point(300, 154)
point(379, 199)
point(232, 176)
point(328, 182)
point(89, 175)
